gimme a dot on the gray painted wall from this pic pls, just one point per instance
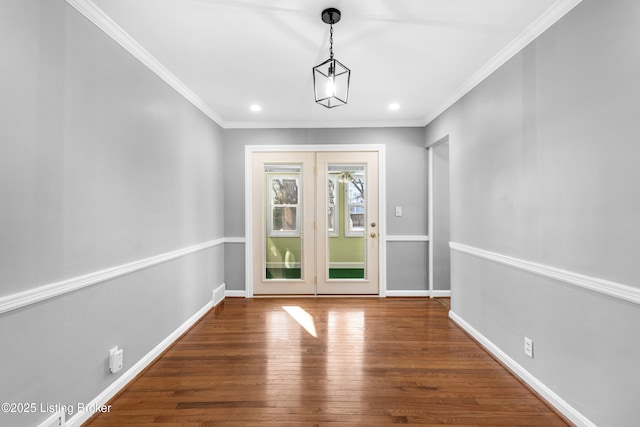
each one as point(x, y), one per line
point(407, 266)
point(544, 167)
point(406, 167)
point(101, 164)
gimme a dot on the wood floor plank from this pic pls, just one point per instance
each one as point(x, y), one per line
point(326, 362)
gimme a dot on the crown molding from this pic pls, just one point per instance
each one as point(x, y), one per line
point(94, 14)
point(100, 19)
point(325, 124)
point(533, 31)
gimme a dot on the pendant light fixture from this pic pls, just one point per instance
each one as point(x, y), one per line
point(331, 78)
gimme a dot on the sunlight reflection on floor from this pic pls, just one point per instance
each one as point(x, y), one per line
point(302, 317)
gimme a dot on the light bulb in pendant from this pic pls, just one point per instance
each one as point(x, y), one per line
point(330, 90)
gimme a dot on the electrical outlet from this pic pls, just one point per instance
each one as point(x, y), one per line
point(528, 347)
point(116, 357)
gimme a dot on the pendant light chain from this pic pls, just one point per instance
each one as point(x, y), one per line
point(331, 41)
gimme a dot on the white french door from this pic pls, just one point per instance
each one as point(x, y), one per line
point(315, 226)
point(347, 215)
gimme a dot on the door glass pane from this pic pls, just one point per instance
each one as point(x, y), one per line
point(283, 217)
point(346, 235)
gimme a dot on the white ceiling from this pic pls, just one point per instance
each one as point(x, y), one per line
point(226, 55)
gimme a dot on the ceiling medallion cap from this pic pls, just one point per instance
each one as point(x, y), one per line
point(331, 16)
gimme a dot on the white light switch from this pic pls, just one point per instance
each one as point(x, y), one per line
point(398, 210)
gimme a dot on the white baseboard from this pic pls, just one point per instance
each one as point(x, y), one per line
point(232, 294)
point(117, 385)
point(418, 293)
point(421, 293)
point(55, 420)
point(219, 294)
point(545, 392)
point(441, 294)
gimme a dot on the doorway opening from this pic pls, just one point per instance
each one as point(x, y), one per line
point(439, 219)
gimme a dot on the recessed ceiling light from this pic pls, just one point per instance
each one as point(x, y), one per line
point(394, 106)
point(255, 108)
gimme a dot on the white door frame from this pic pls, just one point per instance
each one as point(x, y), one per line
point(248, 202)
point(430, 147)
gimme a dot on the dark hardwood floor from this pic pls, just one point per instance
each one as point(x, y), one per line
point(327, 361)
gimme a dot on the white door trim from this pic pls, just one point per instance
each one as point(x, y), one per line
point(248, 201)
point(429, 148)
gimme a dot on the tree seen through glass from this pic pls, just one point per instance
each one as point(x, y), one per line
point(284, 194)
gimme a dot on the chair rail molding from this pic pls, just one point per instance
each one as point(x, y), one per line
point(606, 287)
point(407, 238)
point(41, 293)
